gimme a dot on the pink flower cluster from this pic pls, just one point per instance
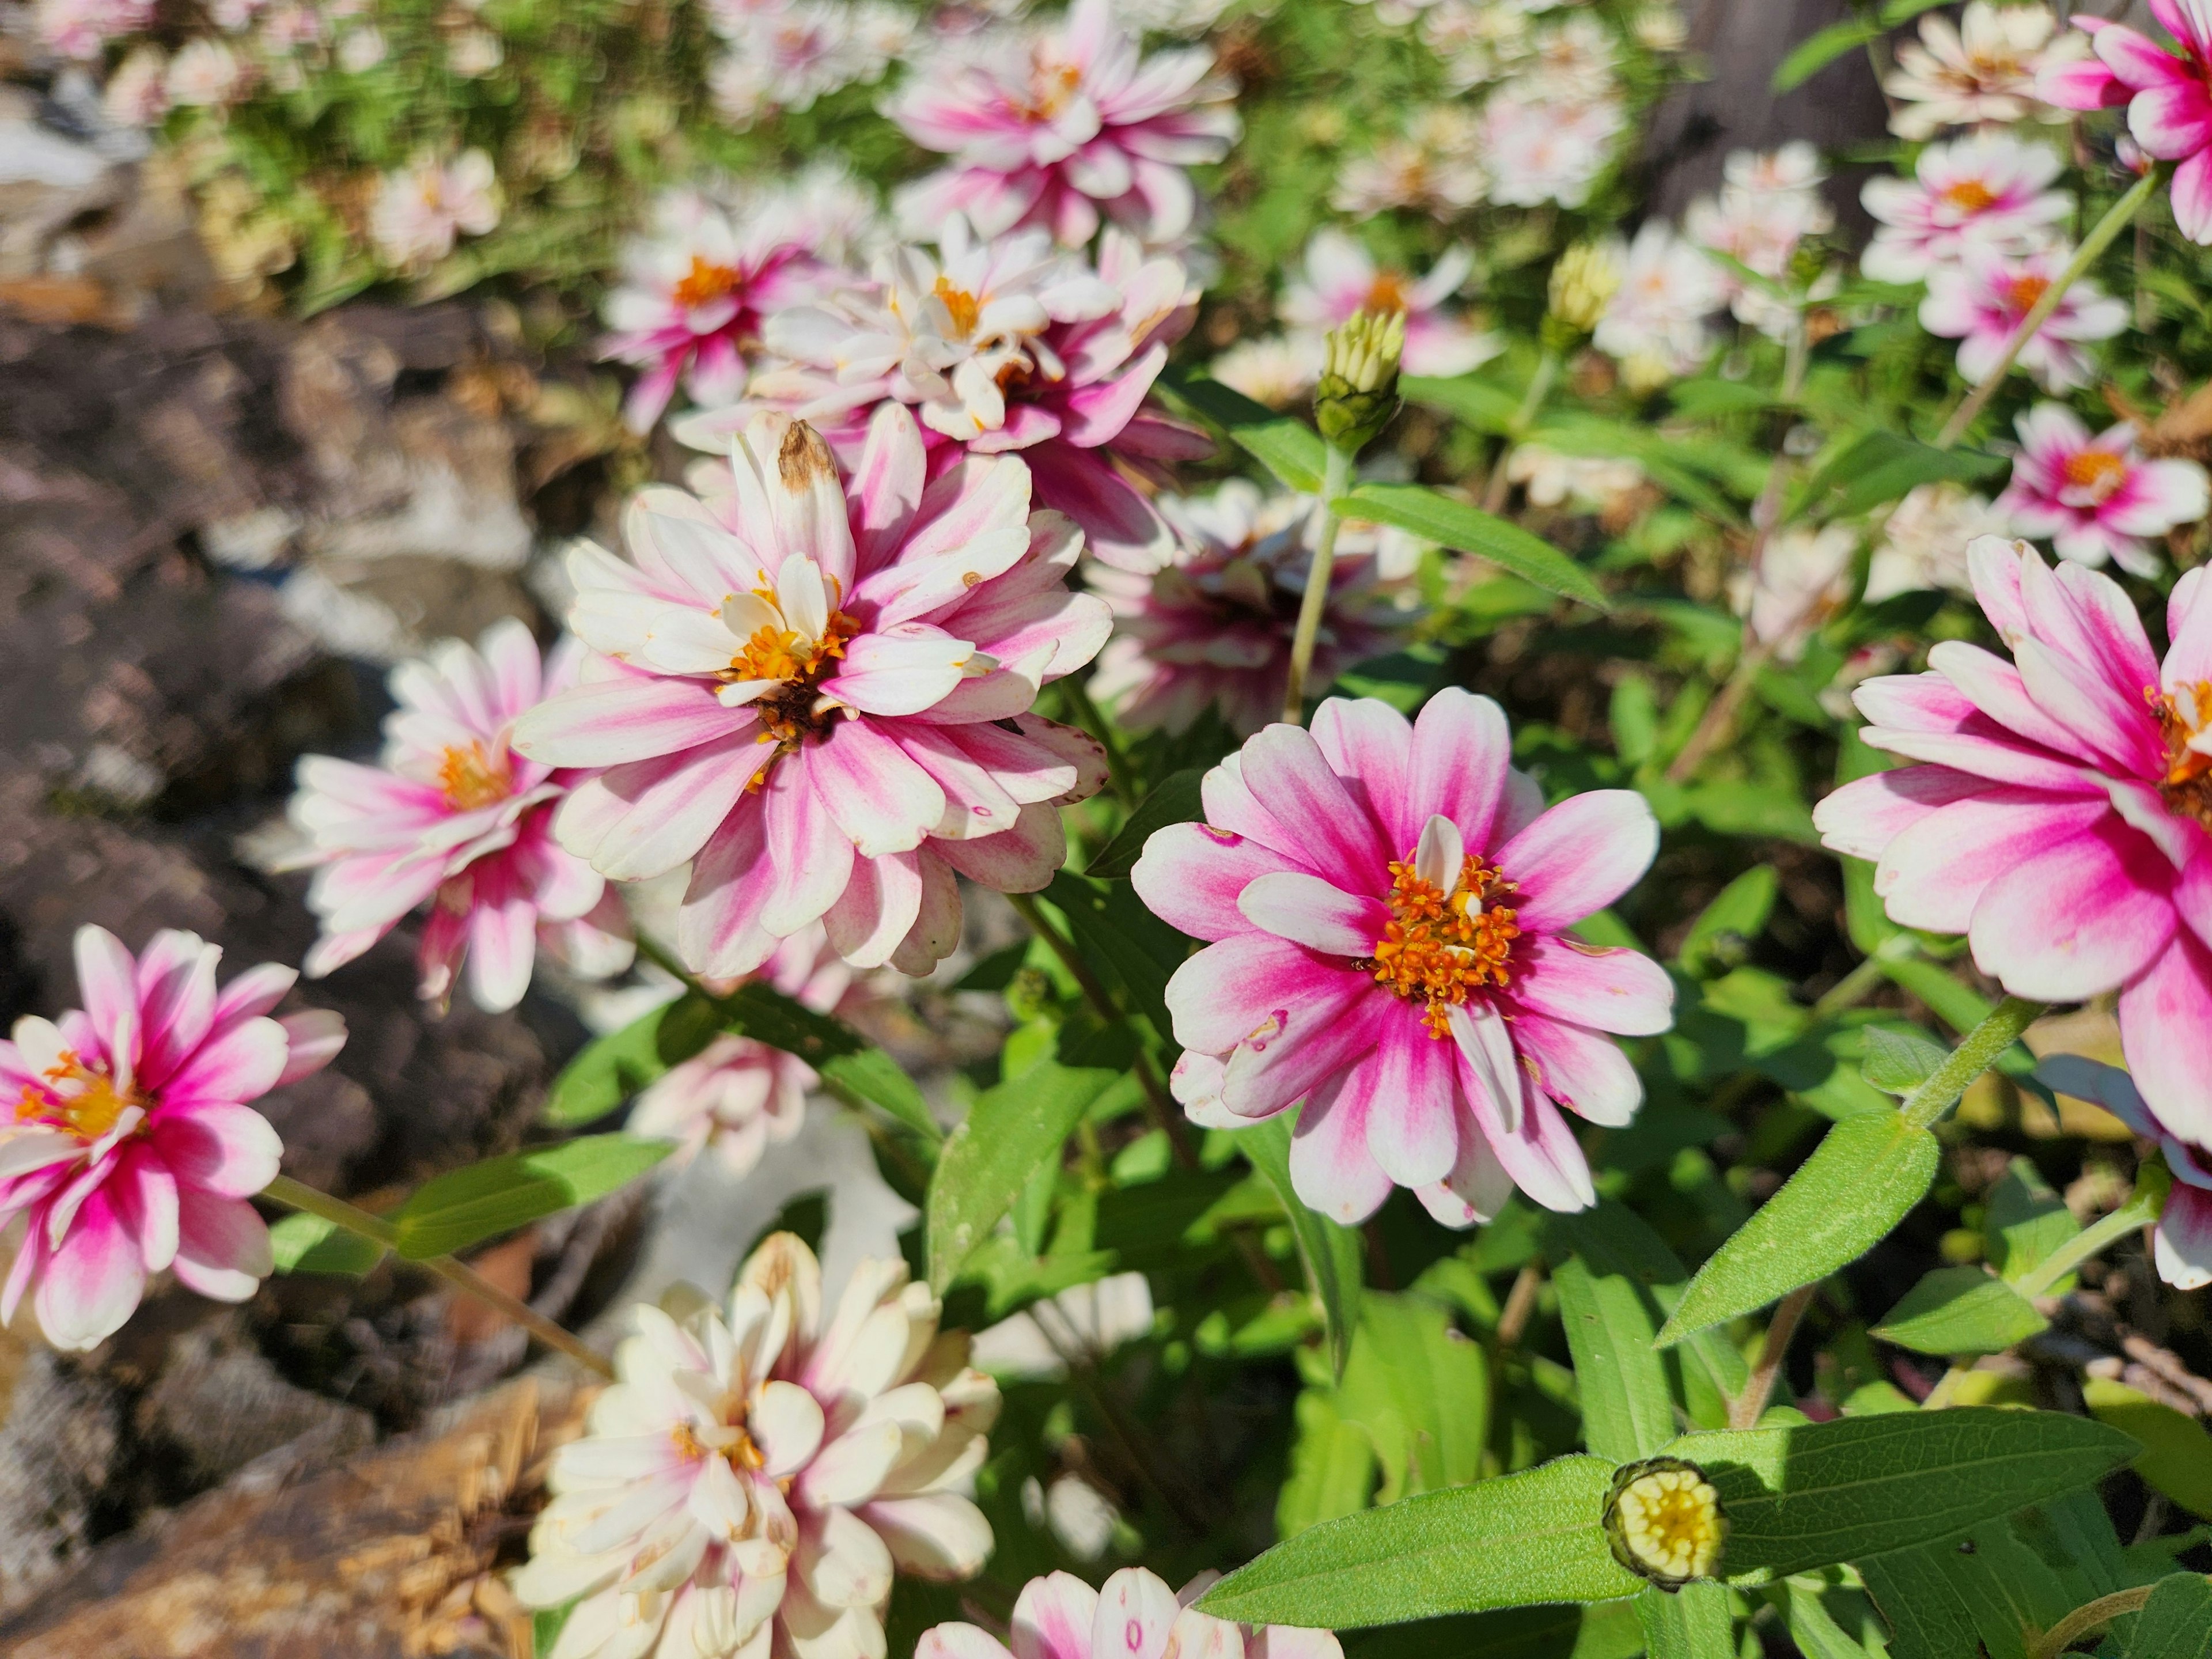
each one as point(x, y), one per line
point(2097, 498)
point(1387, 905)
point(2168, 95)
point(1133, 1615)
point(1008, 344)
point(2059, 812)
point(1061, 126)
point(817, 691)
point(455, 819)
point(1341, 279)
point(130, 1148)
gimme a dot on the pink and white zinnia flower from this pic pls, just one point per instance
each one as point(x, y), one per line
point(423, 208)
point(752, 1483)
point(1387, 904)
point(819, 693)
point(1134, 1615)
point(2181, 1244)
point(2169, 95)
point(455, 819)
point(1341, 279)
point(1005, 344)
point(1983, 299)
point(130, 1147)
point(1987, 69)
point(697, 288)
point(1064, 125)
point(1213, 628)
point(1988, 189)
point(2097, 498)
point(2057, 816)
point(739, 1094)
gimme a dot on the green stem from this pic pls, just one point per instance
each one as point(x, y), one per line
point(1336, 478)
point(297, 1195)
point(2139, 1212)
point(1747, 1407)
point(1539, 388)
point(2117, 219)
point(1977, 1051)
point(1852, 988)
point(2092, 1616)
point(667, 961)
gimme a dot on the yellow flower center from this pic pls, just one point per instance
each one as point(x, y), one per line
point(1665, 1521)
point(473, 776)
point(1971, 196)
point(788, 714)
point(1051, 85)
point(2182, 713)
point(960, 304)
point(743, 1455)
point(89, 1108)
point(2027, 292)
point(2096, 470)
point(1386, 293)
point(1439, 948)
point(704, 283)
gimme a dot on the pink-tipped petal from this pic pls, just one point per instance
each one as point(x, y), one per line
point(1579, 857)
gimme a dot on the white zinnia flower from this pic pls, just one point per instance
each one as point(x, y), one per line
point(751, 1484)
point(1923, 545)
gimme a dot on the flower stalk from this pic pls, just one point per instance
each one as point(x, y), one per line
point(1941, 1090)
point(2117, 219)
point(297, 1195)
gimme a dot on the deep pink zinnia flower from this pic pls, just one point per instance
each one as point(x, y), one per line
point(1005, 344)
point(1065, 123)
point(456, 818)
point(2097, 498)
point(2169, 95)
point(2058, 816)
point(131, 1148)
point(1387, 904)
point(819, 692)
point(1985, 298)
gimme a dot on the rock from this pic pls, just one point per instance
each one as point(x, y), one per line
point(219, 1405)
point(60, 1437)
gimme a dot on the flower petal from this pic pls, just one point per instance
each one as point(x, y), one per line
point(2081, 917)
point(1579, 857)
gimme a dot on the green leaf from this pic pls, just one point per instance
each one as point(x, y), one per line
point(1286, 446)
point(1737, 917)
point(617, 1066)
point(1816, 52)
point(1867, 1171)
point(1330, 1255)
point(989, 1156)
point(1421, 1392)
point(2176, 1622)
point(1110, 923)
point(1628, 1411)
point(2177, 1456)
point(1898, 1062)
point(1332, 1467)
point(847, 1060)
point(1173, 800)
point(1455, 524)
point(1814, 1628)
point(1692, 1624)
point(1883, 467)
point(1481, 405)
point(304, 1244)
point(451, 1212)
point(1960, 1310)
point(1811, 1495)
point(546, 1627)
point(1514, 1541)
point(2024, 1222)
point(1608, 1629)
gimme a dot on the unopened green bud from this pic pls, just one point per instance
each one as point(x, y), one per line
point(1358, 389)
point(1586, 277)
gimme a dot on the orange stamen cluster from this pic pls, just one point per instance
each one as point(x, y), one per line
point(1051, 85)
point(1439, 948)
point(787, 715)
point(474, 777)
point(88, 1114)
point(2098, 471)
point(1386, 293)
point(2183, 714)
point(1971, 196)
point(2025, 293)
point(963, 306)
point(706, 282)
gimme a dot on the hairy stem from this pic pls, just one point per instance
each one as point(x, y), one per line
point(1335, 479)
point(1976, 1053)
point(2139, 1212)
point(1747, 1407)
point(2117, 219)
point(297, 1195)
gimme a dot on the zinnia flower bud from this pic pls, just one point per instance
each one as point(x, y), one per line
point(1664, 1521)
point(1586, 277)
point(1358, 389)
